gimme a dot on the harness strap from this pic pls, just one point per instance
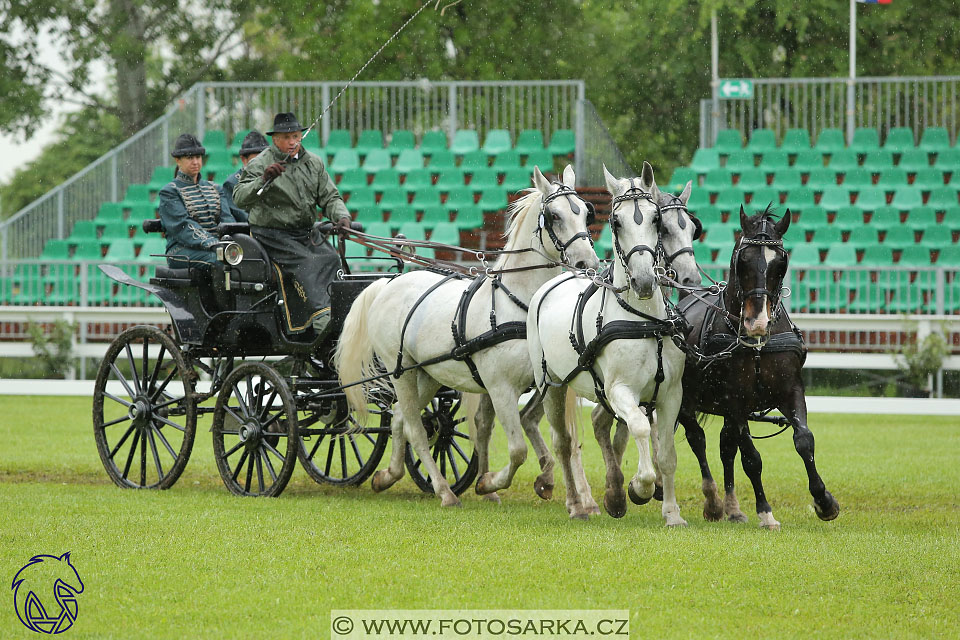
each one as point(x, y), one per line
point(403, 332)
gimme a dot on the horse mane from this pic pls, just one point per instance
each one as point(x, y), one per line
point(519, 210)
point(770, 213)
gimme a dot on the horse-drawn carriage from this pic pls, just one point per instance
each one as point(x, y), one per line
point(276, 395)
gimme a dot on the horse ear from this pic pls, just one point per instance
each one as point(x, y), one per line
point(743, 219)
point(613, 185)
point(783, 224)
point(569, 177)
point(646, 176)
point(685, 194)
point(540, 182)
point(66, 556)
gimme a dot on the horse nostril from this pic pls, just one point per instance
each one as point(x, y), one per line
point(580, 264)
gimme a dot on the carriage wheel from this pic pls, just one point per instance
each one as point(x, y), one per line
point(346, 453)
point(254, 431)
point(144, 414)
point(449, 442)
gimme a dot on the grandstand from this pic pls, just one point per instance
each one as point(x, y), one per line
point(875, 227)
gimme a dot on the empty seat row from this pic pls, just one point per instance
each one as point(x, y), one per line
point(865, 139)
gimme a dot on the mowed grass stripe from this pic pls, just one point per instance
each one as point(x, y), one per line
point(197, 561)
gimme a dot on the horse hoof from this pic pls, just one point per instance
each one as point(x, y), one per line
point(615, 504)
point(712, 512)
point(451, 500)
point(737, 517)
point(379, 481)
point(492, 497)
point(592, 510)
point(544, 490)
point(579, 515)
point(658, 493)
point(635, 497)
point(485, 484)
point(676, 523)
point(830, 510)
point(772, 526)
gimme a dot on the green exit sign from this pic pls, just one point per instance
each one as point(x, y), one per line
point(735, 89)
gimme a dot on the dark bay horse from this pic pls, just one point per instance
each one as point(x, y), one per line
point(752, 358)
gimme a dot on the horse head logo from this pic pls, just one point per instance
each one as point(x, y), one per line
point(45, 593)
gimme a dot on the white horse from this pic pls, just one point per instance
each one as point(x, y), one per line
point(625, 369)
point(407, 320)
point(679, 230)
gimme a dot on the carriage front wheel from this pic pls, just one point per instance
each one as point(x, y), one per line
point(144, 413)
point(255, 431)
point(450, 444)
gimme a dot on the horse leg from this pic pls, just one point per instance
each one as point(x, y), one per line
point(624, 403)
point(753, 467)
point(729, 440)
point(614, 497)
point(712, 506)
point(580, 476)
point(386, 478)
point(553, 405)
point(824, 503)
point(530, 419)
point(483, 420)
point(666, 452)
point(654, 449)
point(505, 402)
point(413, 393)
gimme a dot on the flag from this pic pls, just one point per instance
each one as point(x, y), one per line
point(874, 1)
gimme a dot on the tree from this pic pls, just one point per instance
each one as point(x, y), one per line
point(154, 49)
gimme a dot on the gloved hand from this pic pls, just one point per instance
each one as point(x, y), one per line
point(273, 171)
point(343, 226)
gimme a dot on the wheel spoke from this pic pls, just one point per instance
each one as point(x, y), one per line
point(156, 369)
point(118, 400)
point(367, 436)
point(123, 381)
point(122, 440)
point(266, 459)
point(156, 454)
point(458, 421)
point(246, 484)
point(133, 450)
point(143, 460)
point(241, 402)
point(269, 448)
point(113, 422)
point(333, 443)
point(166, 444)
point(343, 455)
point(146, 367)
point(443, 460)
point(453, 465)
point(356, 450)
point(233, 450)
point(315, 447)
point(163, 385)
point(259, 470)
point(236, 472)
point(273, 419)
point(169, 423)
point(133, 367)
point(459, 434)
point(269, 402)
point(456, 446)
point(233, 414)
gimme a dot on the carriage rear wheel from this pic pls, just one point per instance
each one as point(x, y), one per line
point(255, 431)
point(450, 445)
point(144, 413)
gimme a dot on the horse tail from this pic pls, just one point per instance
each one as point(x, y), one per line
point(354, 358)
point(571, 416)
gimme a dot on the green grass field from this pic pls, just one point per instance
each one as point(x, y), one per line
point(196, 561)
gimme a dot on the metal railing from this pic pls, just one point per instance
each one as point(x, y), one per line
point(599, 149)
point(822, 103)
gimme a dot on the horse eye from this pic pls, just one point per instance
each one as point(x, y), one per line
point(615, 222)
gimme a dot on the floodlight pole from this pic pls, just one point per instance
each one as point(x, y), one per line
point(853, 70)
point(714, 76)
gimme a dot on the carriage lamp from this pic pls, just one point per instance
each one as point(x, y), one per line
point(232, 254)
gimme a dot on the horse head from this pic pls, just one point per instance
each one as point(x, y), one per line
point(565, 217)
point(679, 230)
point(44, 574)
point(635, 222)
point(757, 269)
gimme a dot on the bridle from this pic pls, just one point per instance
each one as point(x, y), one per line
point(678, 205)
point(546, 222)
point(635, 194)
point(760, 238)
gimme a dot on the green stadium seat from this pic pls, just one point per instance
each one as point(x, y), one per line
point(344, 160)
point(402, 215)
point(892, 179)
point(369, 140)
point(865, 140)
point(352, 179)
point(774, 160)
point(516, 179)
point(760, 198)
point(698, 198)
point(409, 160)
point(121, 251)
point(338, 140)
point(709, 215)
point(762, 141)
point(877, 256)
point(804, 255)
point(497, 141)
point(484, 179)
point(433, 141)
point(934, 140)
point(702, 253)
point(161, 176)
point(821, 178)
point(799, 199)
point(863, 236)
point(807, 160)
point(493, 200)
point(942, 198)
point(815, 216)
point(827, 235)
point(434, 215)
point(922, 217)
point(795, 141)
point(84, 231)
point(109, 212)
point(786, 179)
point(844, 160)
point(841, 254)
point(118, 230)
point(530, 141)
point(459, 197)
point(392, 199)
point(363, 197)
point(440, 160)
point(413, 231)
point(899, 237)
point(465, 141)
point(311, 142)
point(141, 212)
point(56, 249)
point(425, 197)
point(728, 141)
point(885, 217)
point(214, 138)
point(474, 160)
point(849, 217)
point(401, 139)
point(509, 159)
point(541, 159)
point(218, 158)
point(928, 179)
point(237, 141)
point(878, 160)
point(899, 139)
point(380, 229)
point(857, 178)
point(704, 160)
point(949, 256)
point(153, 245)
point(563, 142)
point(386, 179)
point(913, 160)
point(136, 194)
point(830, 141)
point(871, 199)
point(948, 160)
point(832, 297)
point(935, 237)
point(450, 179)
point(730, 199)
point(834, 198)
point(417, 179)
point(679, 179)
point(914, 256)
point(469, 218)
point(717, 180)
point(750, 179)
point(907, 198)
point(739, 161)
point(867, 299)
point(375, 160)
point(445, 233)
point(88, 251)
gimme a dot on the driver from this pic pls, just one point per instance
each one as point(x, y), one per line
point(282, 216)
